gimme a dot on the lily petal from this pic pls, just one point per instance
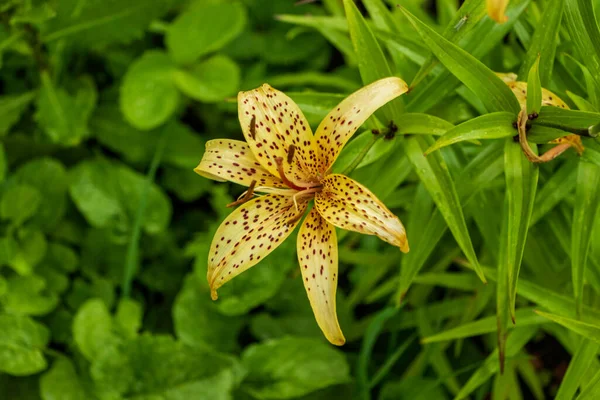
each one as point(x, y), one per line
point(232, 160)
point(496, 10)
point(318, 257)
point(349, 205)
point(272, 123)
point(341, 123)
point(548, 98)
point(249, 234)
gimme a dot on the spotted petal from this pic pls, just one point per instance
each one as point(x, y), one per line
point(272, 123)
point(318, 257)
point(249, 234)
point(347, 204)
point(548, 98)
point(341, 123)
point(232, 160)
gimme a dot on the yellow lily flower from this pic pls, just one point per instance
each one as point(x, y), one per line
point(290, 166)
point(548, 99)
point(496, 10)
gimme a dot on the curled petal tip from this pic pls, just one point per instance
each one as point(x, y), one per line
point(213, 294)
point(404, 246)
point(338, 341)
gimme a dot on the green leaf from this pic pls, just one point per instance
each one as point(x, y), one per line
point(489, 126)
point(584, 216)
point(3, 164)
point(129, 317)
point(22, 342)
point(560, 184)
point(434, 174)
point(148, 94)
point(63, 116)
point(586, 353)
point(521, 184)
point(204, 28)
point(592, 390)
point(19, 203)
point(209, 81)
point(158, 367)
point(542, 48)
point(413, 388)
point(97, 23)
point(49, 177)
point(534, 89)
point(108, 194)
point(28, 295)
point(578, 122)
point(93, 329)
point(288, 367)
point(61, 382)
point(372, 63)
point(490, 89)
point(584, 329)
point(197, 320)
point(583, 31)
point(12, 108)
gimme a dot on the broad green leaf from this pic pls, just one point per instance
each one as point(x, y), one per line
point(372, 63)
point(534, 89)
point(584, 216)
point(473, 73)
point(97, 23)
point(197, 320)
point(586, 353)
point(579, 122)
point(93, 329)
point(204, 28)
point(434, 174)
point(28, 295)
point(61, 382)
point(128, 317)
point(490, 126)
point(521, 184)
point(413, 388)
point(22, 342)
point(50, 179)
point(29, 249)
point(19, 203)
point(288, 367)
point(543, 44)
point(12, 108)
point(210, 80)
point(148, 94)
point(588, 331)
point(159, 367)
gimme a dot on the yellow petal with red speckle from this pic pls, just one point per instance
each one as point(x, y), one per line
point(496, 10)
point(347, 204)
point(249, 234)
point(341, 123)
point(548, 98)
point(232, 160)
point(272, 123)
point(318, 257)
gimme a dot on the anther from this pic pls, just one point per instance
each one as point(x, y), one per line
point(247, 196)
point(253, 127)
point(290, 154)
point(375, 131)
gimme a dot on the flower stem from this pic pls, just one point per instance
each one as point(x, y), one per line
point(133, 246)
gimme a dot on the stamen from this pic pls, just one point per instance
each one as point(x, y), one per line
point(288, 183)
point(245, 197)
point(253, 127)
point(291, 151)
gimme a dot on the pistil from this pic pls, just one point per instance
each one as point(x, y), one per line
point(288, 183)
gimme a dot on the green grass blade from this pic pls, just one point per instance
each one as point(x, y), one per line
point(586, 41)
point(434, 174)
point(543, 44)
point(490, 89)
point(560, 185)
point(592, 391)
point(490, 126)
point(581, 361)
point(578, 122)
point(521, 185)
point(584, 329)
point(584, 215)
point(534, 89)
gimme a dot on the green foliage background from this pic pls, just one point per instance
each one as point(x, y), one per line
point(105, 106)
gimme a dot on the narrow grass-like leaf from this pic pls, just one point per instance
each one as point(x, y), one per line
point(587, 351)
point(418, 123)
point(584, 329)
point(578, 122)
point(391, 361)
point(526, 317)
point(502, 289)
point(581, 103)
point(584, 215)
point(560, 184)
point(521, 184)
point(517, 339)
point(534, 89)
point(372, 63)
point(584, 34)
point(542, 48)
point(434, 174)
point(543, 134)
point(490, 126)
point(490, 89)
point(592, 391)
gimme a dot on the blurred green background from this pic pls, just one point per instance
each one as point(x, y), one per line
point(105, 106)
